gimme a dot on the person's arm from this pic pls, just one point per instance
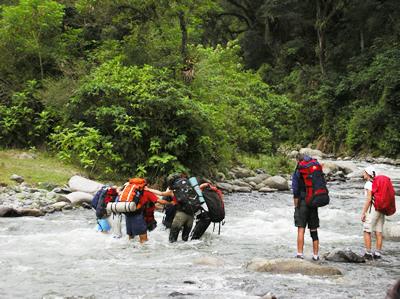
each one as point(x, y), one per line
point(366, 205)
point(295, 188)
point(160, 193)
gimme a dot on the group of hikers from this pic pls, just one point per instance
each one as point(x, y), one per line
point(184, 201)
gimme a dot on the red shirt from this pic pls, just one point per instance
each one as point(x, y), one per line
point(146, 197)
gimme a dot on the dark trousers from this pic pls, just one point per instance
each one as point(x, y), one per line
point(203, 222)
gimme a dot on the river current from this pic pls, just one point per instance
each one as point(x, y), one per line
point(61, 255)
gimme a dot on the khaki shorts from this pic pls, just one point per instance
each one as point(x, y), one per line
point(374, 221)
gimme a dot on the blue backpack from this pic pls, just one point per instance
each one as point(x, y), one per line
point(99, 195)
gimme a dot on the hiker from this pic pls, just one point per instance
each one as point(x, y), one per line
point(180, 190)
point(136, 221)
point(306, 212)
point(169, 211)
point(372, 219)
point(216, 213)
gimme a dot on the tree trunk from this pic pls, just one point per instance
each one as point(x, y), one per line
point(182, 23)
point(362, 43)
point(319, 26)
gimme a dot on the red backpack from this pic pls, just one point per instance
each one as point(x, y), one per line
point(316, 190)
point(383, 195)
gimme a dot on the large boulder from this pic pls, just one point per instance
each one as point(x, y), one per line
point(8, 212)
point(78, 183)
point(31, 212)
point(225, 187)
point(292, 266)
point(344, 256)
point(277, 182)
point(78, 198)
point(241, 189)
point(259, 178)
point(312, 152)
point(11, 212)
point(240, 172)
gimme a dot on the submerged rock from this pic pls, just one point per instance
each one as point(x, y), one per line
point(292, 266)
point(208, 261)
point(344, 256)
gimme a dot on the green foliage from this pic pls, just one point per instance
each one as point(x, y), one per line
point(243, 108)
point(29, 32)
point(85, 147)
point(273, 165)
point(24, 121)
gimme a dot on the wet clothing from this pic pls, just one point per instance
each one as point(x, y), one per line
point(203, 222)
point(135, 222)
point(374, 220)
point(182, 221)
point(170, 211)
point(304, 215)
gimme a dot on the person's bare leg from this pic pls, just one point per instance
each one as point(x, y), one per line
point(300, 239)
point(379, 240)
point(367, 241)
point(143, 238)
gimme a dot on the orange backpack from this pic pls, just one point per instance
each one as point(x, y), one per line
point(133, 191)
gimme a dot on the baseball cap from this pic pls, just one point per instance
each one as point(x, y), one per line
point(370, 170)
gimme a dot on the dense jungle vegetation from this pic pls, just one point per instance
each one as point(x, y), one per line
point(155, 86)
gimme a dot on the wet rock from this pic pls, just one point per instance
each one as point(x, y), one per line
point(239, 182)
point(220, 177)
point(358, 174)
point(78, 183)
point(78, 197)
point(267, 189)
point(189, 282)
point(269, 296)
point(208, 261)
point(225, 187)
point(240, 172)
point(277, 182)
point(292, 266)
point(58, 206)
point(259, 178)
point(179, 294)
point(241, 189)
point(329, 167)
point(17, 178)
point(8, 212)
point(344, 256)
point(31, 212)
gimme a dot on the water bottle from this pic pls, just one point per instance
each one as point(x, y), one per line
point(193, 182)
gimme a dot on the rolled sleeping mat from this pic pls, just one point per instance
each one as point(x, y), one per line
point(121, 207)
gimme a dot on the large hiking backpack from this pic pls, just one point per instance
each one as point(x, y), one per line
point(383, 195)
point(215, 203)
point(314, 180)
point(186, 196)
point(133, 191)
point(102, 197)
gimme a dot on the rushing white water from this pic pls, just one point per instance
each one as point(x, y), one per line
point(62, 255)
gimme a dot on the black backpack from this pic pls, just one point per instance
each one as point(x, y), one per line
point(186, 196)
point(215, 204)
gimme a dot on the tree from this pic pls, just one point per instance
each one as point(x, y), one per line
point(31, 28)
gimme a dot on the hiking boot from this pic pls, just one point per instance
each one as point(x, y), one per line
point(300, 256)
point(315, 258)
point(377, 256)
point(368, 256)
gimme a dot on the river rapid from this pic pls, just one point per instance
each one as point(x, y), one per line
point(61, 254)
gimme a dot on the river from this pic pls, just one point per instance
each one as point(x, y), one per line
point(61, 255)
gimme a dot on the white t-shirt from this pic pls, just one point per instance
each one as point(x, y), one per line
point(367, 186)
